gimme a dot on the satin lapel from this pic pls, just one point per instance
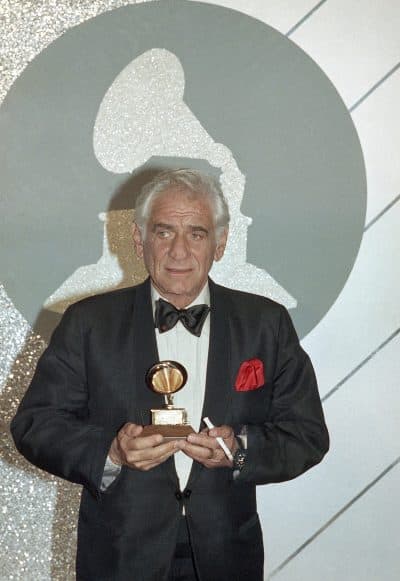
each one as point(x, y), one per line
point(218, 393)
point(145, 355)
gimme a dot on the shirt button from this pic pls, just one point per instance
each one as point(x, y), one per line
point(178, 495)
point(187, 493)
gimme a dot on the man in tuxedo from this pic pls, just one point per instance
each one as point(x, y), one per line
point(156, 510)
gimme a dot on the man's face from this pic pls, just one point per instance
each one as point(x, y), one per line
point(180, 245)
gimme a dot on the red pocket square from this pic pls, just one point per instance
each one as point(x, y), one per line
point(250, 375)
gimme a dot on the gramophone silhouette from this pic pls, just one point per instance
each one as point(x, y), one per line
point(143, 115)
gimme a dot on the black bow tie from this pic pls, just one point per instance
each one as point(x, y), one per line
point(166, 316)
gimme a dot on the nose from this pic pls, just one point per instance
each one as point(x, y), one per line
point(179, 248)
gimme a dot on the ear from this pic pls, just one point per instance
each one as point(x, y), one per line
point(137, 241)
point(221, 244)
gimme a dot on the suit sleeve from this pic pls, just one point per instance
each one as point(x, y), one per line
point(51, 427)
point(295, 437)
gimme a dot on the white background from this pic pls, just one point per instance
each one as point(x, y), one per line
point(340, 521)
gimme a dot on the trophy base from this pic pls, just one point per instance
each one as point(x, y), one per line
point(169, 432)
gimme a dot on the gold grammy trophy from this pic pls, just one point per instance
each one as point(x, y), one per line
point(166, 378)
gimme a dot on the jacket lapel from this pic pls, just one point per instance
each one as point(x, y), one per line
point(218, 392)
point(144, 351)
point(145, 355)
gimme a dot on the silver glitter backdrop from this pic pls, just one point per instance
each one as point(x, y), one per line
point(37, 512)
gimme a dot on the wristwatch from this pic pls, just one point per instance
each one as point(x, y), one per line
point(239, 459)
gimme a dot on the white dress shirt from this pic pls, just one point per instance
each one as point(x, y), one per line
point(178, 344)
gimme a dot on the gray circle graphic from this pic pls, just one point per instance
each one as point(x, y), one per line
point(253, 89)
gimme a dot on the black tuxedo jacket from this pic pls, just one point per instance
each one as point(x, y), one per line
point(90, 381)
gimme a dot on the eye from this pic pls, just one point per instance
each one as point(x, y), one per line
point(198, 235)
point(164, 234)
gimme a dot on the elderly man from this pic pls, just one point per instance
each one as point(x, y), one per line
point(157, 510)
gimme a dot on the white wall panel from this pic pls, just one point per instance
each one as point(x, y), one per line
point(355, 42)
point(279, 14)
point(362, 545)
point(376, 120)
point(363, 421)
point(367, 311)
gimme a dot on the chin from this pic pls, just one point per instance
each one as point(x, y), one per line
point(180, 286)
point(181, 292)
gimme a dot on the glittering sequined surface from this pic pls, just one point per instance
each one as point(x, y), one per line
point(38, 512)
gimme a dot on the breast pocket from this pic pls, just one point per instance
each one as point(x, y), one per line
point(252, 407)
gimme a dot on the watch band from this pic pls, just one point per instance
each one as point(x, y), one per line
point(239, 459)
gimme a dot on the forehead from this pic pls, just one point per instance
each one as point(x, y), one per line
point(177, 203)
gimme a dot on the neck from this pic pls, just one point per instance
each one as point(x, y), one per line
point(181, 301)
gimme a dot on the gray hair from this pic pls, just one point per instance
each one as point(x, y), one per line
point(198, 183)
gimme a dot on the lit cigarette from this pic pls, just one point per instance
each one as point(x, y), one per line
point(220, 441)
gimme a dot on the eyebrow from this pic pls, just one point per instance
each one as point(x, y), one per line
point(199, 228)
point(161, 225)
point(193, 228)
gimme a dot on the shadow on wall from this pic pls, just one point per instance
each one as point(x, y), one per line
point(117, 267)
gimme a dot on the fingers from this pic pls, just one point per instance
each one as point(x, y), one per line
point(208, 438)
point(142, 452)
point(146, 458)
point(162, 456)
point(211, 458)
point(205, 448)
point(146, 452)
point(224, 432)
point(130, 439)
point(130, 429)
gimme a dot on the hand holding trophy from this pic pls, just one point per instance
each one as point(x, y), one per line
point(167, 378)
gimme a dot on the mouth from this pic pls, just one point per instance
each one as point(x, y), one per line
point(179, 271)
